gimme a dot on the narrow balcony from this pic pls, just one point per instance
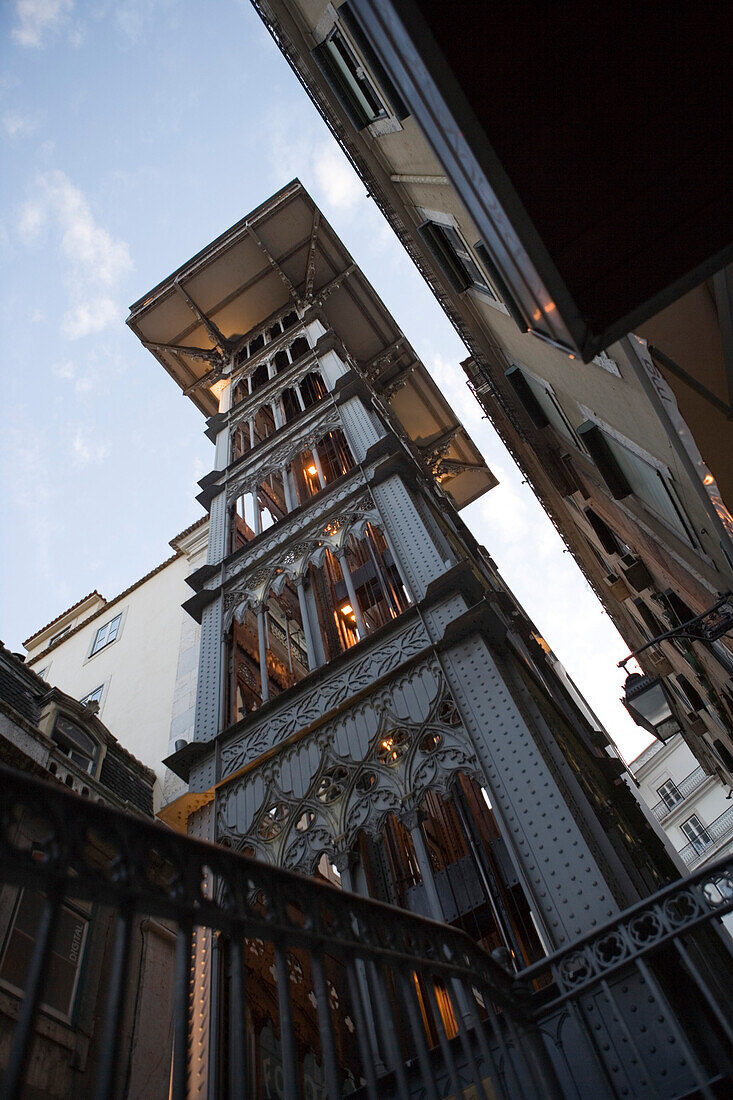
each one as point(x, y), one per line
point(709, 838)
point(678, 792)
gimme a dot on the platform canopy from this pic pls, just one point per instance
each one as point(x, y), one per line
point(286, 254)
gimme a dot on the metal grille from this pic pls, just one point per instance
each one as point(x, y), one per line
point(431, 1014)
point(717, 830)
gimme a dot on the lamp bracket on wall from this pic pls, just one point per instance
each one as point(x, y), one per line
point(707, 627)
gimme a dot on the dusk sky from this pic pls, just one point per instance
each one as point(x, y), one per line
point(132, 134)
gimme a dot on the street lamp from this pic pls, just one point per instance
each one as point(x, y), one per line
point(648, 700)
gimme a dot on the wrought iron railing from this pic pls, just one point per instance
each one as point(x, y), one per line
point(717, 830)
point(684, 789)
point(393, 1005)
point(659, 957)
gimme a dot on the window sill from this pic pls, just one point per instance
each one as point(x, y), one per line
point(382, 126)
point(49, 1023)
point(485, 297)
point(102, 649)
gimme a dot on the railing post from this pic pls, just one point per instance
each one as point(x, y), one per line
point(34, 987)
point(343, 861)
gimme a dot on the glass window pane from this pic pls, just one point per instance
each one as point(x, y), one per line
point(355, 77)
point(106, 633)
point(71, 733)
point(66, 954)
point(17, 958)
point(669, 794)
point(93, 696)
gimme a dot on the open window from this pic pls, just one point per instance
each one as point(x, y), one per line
point(625, 471)
point(541, 404)
point(603, 533)
point(355, 74)
point(312, 388)
point(278, 634)
point(455, 257)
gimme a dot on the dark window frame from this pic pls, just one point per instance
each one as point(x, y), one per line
point(456, 258)
point(78, 913)
point(98, 645)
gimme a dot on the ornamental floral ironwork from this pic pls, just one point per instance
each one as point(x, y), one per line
point(339, 788)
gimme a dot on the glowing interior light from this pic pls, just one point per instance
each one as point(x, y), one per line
point(312, 471)
point(708, 479)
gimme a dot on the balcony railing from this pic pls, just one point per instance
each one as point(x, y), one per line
point(718, 829)
point(394, 1005)
point(685, 788)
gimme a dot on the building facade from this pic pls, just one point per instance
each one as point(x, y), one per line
point(373, 705)
point(630, 453)
point(49, 734)
point(136, 656)
point(693, 808)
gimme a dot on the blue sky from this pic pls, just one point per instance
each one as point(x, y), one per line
point(132, 134)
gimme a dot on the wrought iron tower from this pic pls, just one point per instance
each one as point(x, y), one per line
point(373, 705)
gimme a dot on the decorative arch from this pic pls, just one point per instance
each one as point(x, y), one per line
point(351, 775)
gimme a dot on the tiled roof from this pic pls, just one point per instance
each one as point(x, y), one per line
point(20, 688)
point(119, 778)
point(121, 596)
point(68, 609)
point(182, 534)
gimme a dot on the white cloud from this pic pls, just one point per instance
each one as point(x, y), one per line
point(337, 180)
point(84, 381)
point(96, 261)
point(39, 18)
point(321, 165)
point(87, 317)
point(64, 370)
point(16, 124)
point(84, 450)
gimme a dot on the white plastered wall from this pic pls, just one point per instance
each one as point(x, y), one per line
point(148, 684)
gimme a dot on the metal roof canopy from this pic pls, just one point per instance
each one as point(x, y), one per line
point(588, 144)
point(285, 254)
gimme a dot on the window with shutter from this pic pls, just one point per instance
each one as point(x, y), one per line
point(455, 257)
point(349, 80)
